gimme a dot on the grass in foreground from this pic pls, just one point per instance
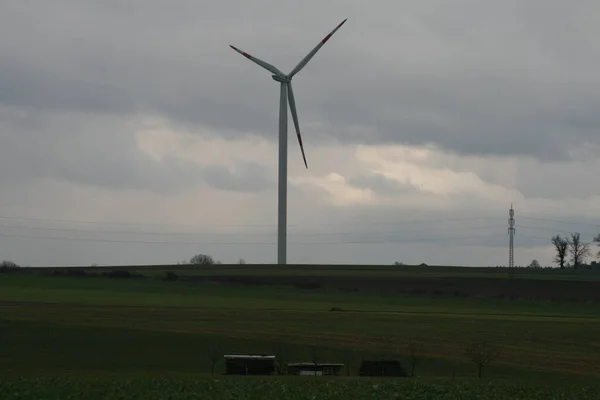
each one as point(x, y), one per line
point(293, 389)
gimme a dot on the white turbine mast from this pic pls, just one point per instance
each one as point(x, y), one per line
point(286, 94)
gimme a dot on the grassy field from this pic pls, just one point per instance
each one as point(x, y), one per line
point(95, 327)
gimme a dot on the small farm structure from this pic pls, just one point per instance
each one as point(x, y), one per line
point(381, 368)
point(312, 369)
point(248, 364)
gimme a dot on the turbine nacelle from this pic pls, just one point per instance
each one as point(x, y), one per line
point(281, 78)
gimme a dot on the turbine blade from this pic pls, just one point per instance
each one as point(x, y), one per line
point(263, 64)
point(310, 55)
point(295, 118)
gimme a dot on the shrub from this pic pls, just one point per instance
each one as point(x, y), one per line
point(8, 266)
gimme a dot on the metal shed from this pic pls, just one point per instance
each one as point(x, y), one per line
point(249, 364)
point(312, 369)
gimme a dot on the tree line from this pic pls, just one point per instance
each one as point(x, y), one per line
point(572, 251)
point(205, 259)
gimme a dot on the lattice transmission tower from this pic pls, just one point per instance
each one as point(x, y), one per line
point(511, 234)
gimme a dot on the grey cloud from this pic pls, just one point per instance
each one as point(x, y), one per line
point(500, 79)
point(558, 181)
point(83, 149)
point(243, 177)
point(530, 177)
point(471, 77)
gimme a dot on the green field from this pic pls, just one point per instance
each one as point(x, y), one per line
point(94, 328)
point(277, 388)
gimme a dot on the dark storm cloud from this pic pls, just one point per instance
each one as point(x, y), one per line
point(473, 77)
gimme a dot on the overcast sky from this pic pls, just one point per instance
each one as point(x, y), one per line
point(131, 133)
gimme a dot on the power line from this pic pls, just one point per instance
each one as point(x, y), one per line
point(244, 226)
point(319, 243)
point(433, 230)
point(535, 237)
point(271, 234)
point(387, 222)
point(123, 223)
point(154, 233)
point(561, 222)
point(546, 228)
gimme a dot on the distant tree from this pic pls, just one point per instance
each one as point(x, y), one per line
point(578, 250)
point(8, 266)
point(482, 353)
point(534, 264)
point(415, 355)
point(561, 245)
point(201, 259)
point(242, 261)
point(398, 263)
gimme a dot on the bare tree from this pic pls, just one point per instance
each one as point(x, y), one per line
point(215, 356)
point(315, 358)
point(578, 250)
point(242, 261)
point(202, 259)
point(9, 264)
point(347, 358)
point(535, 264)
point(597, 241)
point(482, 353)
point(281, 358)
point(561, 245)
point(415, 355)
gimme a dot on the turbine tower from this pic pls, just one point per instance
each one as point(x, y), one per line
point(286, 94)
point(511, 241)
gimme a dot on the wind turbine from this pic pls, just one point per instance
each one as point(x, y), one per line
point(286, 94)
